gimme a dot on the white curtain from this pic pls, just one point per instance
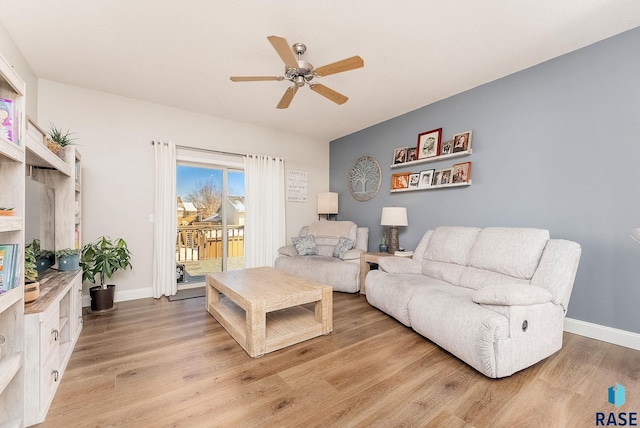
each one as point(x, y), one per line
point(264, 222)
point(164, 230)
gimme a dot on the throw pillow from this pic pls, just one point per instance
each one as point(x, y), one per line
point(343, 245)
point(305, 245)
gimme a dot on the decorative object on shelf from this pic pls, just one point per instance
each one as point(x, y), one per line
point(364, 179)
point(10, 258)
point(44, 258)
point(58, 139)
point(429, 143)
point(414, 180)
point(103, 257)
point(400, 180)
point(68, 259)
point(461, 172)
point(383, 247)
point(462, 142)
point(328, 205)
point(7, 126)
point(394, 217)
point(4, 211)
point(400, 155)
point(31, 285)
point(635, 234)
point(426, 178)
point(446, 148)
point(441, 177)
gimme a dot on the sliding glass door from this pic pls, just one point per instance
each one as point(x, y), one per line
point(210, 212)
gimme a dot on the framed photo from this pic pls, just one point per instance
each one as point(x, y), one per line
point(400, 180)
point(462, 142)
point(400, 155)
point(426, 178)
point(412, 154)
point(429, 143)
point(441, 177)
point(446, 148)
point(414, 179)
point(461, 172)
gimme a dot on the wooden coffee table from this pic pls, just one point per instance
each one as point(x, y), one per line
point(260, 307)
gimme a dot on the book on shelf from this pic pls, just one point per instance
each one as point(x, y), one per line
point(9, 266)
point(7, 130)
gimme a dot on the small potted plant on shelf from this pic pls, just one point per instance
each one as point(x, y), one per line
point(58, 139)
point(6, 211)
point(44, 258)
point(68, 258)
point(102, 258)
point(383, 247)
point(31, 285)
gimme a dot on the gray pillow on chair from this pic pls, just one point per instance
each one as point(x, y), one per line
point(305, 245)
point(343, 245)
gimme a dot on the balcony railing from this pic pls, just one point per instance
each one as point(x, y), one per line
point(203, 241)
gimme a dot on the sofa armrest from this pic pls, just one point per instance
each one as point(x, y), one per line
point(288, 250)
point(512, 295)
point(399, 265)
point(353, 254)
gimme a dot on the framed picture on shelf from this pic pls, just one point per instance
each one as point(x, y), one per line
point(462, 142)
point(446, 148)
point(400, 180)
point(414, 180)
point(429, 143)
point(441, 177)
point(399, 155)
point(412, 154)
point(461, 172)
point(426, 178)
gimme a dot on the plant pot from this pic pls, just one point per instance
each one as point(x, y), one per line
point(44, 263)
point(31, 291)
point(383, 248)
point(102, 299)
point(69, 262)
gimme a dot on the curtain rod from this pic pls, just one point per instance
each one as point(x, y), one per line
point(199, 149)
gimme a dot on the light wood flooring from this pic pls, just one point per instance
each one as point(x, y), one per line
point(154, 363)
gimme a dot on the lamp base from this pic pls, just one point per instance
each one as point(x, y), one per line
point(394, 244)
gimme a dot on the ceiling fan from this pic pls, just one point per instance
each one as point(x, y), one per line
point(301, 72)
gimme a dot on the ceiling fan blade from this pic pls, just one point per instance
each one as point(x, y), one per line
point(254, 78)
point(287, 97)
point(340, 66)
point(334, 96)
point(284, 50)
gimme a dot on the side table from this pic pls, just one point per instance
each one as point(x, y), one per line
point(365, 259)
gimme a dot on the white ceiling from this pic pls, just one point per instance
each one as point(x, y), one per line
point(416, 52)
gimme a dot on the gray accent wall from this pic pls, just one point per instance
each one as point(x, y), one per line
point(555, 146)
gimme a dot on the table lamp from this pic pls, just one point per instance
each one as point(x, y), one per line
point(394, 217)
point(328, 204)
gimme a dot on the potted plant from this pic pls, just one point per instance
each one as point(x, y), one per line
point(68, 258)
point(383, 244)
point(31, 285)
point(44, 258)
point(6, 211)
point(102, 258)
point(58, 139)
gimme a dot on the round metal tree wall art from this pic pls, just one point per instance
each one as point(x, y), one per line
point(364, 178)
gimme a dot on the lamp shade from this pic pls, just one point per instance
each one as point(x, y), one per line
point(328, 203)
point(394, 216)
point(635, 234)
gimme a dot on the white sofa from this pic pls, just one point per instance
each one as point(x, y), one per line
point(341, 271)
point(495, 297)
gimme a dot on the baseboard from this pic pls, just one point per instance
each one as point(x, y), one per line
point(122, 296)
point(600, 332)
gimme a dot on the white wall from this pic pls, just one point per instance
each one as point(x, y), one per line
point(12, 55)
point(114, 136)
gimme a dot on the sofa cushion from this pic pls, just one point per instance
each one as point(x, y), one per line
point(305, 245)
point(451, 244)
point(328, 233)
point(510, 251)
point(343, 245)
point(512, 294)
point(341, 275)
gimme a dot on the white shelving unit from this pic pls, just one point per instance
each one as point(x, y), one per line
point(12, 176)
point(442, 186)
point(432, 159)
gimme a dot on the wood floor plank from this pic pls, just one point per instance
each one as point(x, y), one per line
point(154, 363)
